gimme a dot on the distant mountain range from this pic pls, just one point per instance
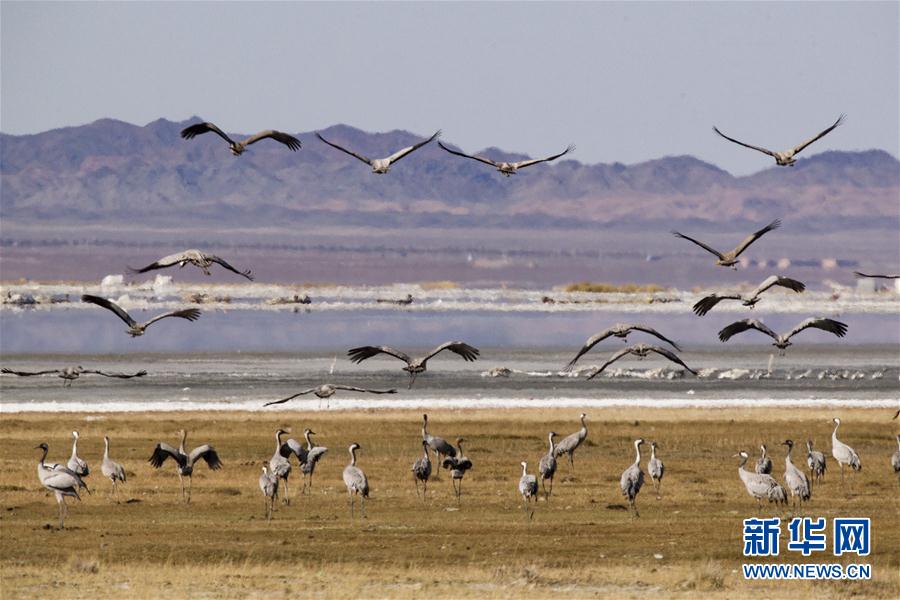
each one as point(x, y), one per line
point(115, 172)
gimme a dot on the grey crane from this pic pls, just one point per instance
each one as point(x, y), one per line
point(842, 453)
point(237, 148)
point(633, 479)
point(760, 485)
point(508, 168)
point(185, 462)
point(111, 469)
point(570, 443)
point(621, 331)
point(441, 447)
point(641, 351)
point(70, 374)
point(195, 257)
point(784, 340)
point(76, 464)
point(421, 471)
point(458, 466)
point(706, 304)
point(313, 455)
point(786, 158)
point(382, 165)
point(59, 480)
point(547, 466)
point(327, 390)
point(528, 488)
point(136, 329)
point(356, 481)
point(398, 301)
point(655, 468)
point(815, 460)
point(764, 464)
point(414, 366)
point(280, 464)
point(268, 485)
point(796, 480)
point(730, 259)
point(895, 457)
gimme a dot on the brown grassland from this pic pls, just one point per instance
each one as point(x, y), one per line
point(581, 544)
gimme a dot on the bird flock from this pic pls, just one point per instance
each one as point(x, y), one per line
point(65, 481)
point(760, 483)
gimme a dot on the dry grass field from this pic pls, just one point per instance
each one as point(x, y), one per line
point(581, 544)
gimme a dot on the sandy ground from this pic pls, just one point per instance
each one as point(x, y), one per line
point(581, 543)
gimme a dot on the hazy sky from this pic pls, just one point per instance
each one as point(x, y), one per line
point(625, 82)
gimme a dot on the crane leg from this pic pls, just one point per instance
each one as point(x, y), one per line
point(362, 505)
point(190, 487)
point(350, 494)
point(287, 499)
point(416, 481)
point(572, 460)
point(181, 481)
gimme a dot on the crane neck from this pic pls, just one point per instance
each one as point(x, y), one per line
point(834, 433)
point(43, 456)
point(278, 440)
point(743, 462)
point(524, 469)
point(183, 442)
point(75, 446)
point(652, 452)
point(552, 445)
point(637, 451)
point(309, 445)
point(106, 447)
point(352, 456)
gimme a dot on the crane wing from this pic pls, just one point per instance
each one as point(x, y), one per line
point(191, 314)
point(671, 356)
point(590, 343)
point(704, 305)
point(743, 325)
point(486, 161)
point(797, 149)
point(654, 332)
point(292, 446)
point(755, 236)
point(401, 153)
point(316, 453)
point(346, 151)
point(192, 131)
point(28, 373)
point(350, 388)
point(117, 375)
point(699, 243)
point(858, 274)
point(773, 280)
point(360, 354)
point(469, 353)
point(527, 163)
point(162, 263)
point(830, 325)
point(611, 360)
point(109, 305)
point(304, 392)
point(162, 452)
point(757, 148)
point(224, 263)
point(207, 453)
point(288, 140)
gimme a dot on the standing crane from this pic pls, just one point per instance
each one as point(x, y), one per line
point(441, 447)
point(842, 453)
point(421, 471)
point(655, 468)
point(633, 479)
point(184, 462)
point(356, 481)
point(815, 460)
point(764, 464)
point(76, 464)
point(268, 484)
point(796, 480)
point(895, 458)
point(528, 489)
point(458, 466)
point(111, 469)
point(280, 464)
point(313, 455)
point(760, 485)
point(547, 467)
point(59, 480)
point(570, 443)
